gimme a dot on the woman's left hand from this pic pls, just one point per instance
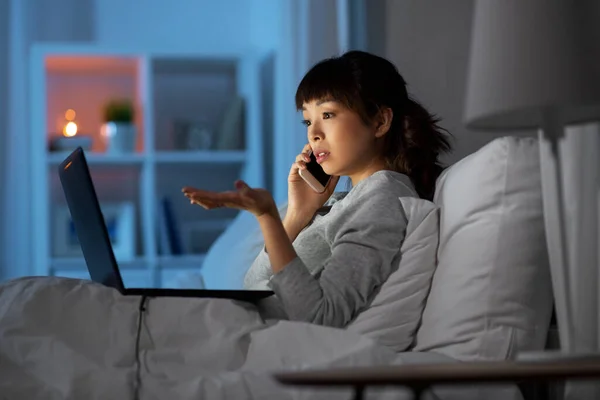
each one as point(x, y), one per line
point(256, 201)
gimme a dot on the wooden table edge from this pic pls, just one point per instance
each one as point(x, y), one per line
point(444, 373)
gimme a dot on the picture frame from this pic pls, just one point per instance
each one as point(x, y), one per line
point(120, 222)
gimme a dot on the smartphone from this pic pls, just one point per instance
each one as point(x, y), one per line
point(314, 175)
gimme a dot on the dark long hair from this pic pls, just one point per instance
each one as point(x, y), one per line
point(366, 83)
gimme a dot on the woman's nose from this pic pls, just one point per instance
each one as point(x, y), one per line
point(315, 134)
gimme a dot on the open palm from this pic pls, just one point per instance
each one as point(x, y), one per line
point(256, 201)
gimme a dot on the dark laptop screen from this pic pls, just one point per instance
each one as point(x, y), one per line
point(88, 220)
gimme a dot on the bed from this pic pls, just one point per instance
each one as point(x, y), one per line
point(474, 261)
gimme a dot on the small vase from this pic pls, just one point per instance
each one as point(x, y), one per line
point(119, 137)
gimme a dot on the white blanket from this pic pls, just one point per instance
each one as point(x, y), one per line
point(69, 339)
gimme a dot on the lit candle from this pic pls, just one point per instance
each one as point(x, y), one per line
point(70, 138)
point(70, 128)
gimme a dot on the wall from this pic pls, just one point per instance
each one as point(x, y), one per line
point(265, 23)
point(265, 35)
point(429, 42)
point(61, 20)
point(376, 27)
point(180, 24)
point(322, 41)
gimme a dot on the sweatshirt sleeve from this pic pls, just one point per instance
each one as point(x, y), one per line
point(366, 237)
point(259, 273)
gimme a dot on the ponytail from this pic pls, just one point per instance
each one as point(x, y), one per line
point(413, 146)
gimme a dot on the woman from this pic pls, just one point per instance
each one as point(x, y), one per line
point(361, 123)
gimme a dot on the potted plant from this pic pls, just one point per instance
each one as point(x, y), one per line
point(119, 131)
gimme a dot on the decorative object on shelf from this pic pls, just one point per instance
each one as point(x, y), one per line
point(71, 138)
point(230, 135)
point(119, 131)
point(120, 223)
point(191, 135)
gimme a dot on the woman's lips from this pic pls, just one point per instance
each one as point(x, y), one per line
point(321, 157)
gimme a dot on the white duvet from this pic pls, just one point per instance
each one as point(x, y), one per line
point(69, 339)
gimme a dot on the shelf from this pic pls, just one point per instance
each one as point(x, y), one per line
point(91, 64)
point(56, 158)
point(206, 156)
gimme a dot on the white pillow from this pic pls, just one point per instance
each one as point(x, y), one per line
point(394, 315)
point(491, 294)
point(233, 252)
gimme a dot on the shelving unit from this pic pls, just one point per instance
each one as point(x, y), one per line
point(166, 87)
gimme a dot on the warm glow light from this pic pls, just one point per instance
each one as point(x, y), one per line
point(70, 114)
point(70, 129)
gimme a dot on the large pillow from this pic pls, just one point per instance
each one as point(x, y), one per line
point(491, 293)
point(233, 252)
point(394, 315)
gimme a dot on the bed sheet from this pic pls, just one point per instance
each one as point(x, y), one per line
point(71, 339)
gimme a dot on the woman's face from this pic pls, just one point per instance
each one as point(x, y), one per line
point(343, 144)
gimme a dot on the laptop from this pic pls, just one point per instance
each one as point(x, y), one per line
point(92, 233)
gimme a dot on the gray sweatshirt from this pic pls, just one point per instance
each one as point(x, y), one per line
point(343, 257)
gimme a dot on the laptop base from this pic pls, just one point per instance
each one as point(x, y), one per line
point(251, 296)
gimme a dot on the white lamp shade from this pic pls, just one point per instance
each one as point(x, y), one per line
point(527, 57)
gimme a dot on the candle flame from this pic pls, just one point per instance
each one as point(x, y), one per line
point(70, 129)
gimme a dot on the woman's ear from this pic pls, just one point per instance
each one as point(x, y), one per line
point(383, 122)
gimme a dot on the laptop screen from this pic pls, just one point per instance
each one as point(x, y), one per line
point(88, 220)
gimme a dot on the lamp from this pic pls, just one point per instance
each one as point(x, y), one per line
point(534, 64)
point(530, 59)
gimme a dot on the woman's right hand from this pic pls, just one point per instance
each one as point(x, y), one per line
point(303, 201)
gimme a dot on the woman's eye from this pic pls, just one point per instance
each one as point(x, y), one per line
point(327, 115)
point(305, 122)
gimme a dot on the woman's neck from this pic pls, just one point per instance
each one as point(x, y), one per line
point(375, 166)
